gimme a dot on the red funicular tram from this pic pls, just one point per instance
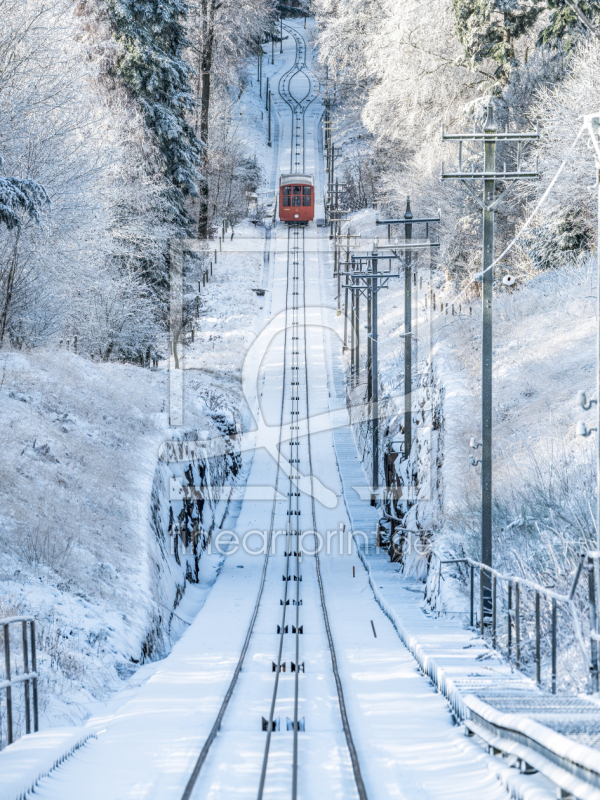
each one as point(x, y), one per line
point(296, 198)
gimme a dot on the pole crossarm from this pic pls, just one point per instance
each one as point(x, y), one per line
point(410, 246)
point(405, 221)
point(497, 176)
point(407, 245)
point(374, 257)
point(373, 281)
point(491, 136)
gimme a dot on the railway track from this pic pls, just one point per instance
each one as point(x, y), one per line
point(297, 106)
point(294, 403)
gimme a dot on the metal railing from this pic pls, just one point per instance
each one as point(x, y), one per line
point(28, 677)
point(490, 609)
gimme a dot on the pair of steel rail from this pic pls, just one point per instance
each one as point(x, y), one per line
point(295, 265)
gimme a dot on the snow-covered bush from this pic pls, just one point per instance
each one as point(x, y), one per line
point(102, 238)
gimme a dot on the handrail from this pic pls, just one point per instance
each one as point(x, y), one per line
point(9, 620)
point(560, 598)
point(26, 676)
point(489, 609)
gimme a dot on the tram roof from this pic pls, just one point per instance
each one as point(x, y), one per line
point(296, 178)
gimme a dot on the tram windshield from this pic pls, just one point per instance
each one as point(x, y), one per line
point(296, 196)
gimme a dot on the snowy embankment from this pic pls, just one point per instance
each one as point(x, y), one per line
point(85, 513)
point(544, 350)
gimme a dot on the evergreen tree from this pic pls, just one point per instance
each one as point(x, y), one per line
point(489, 29)
point(17, 195)
point(570, 18)
point(150, 64)
point(20, 195)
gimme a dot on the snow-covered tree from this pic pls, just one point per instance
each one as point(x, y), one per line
point(17, 196)
point(103, 238)
point(569, 20)
point(223, 34)
point(488, 29)
point(150, 63)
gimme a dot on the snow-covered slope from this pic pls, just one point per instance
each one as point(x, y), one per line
point(544, 476)
point(84, 497)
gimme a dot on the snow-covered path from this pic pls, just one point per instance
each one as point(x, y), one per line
point(406, 742)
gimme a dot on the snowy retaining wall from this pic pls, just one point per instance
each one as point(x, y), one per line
point(190, 497)
point(412, 485)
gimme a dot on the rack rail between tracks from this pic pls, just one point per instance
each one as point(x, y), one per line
point(293, 310)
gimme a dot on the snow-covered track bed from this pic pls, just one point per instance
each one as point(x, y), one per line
point(290, 688)
point(297, 90)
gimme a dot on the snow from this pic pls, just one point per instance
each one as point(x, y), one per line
point(407, 743)
point(392, 654)
point(81, 442)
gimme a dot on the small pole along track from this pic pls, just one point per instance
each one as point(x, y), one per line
point(296, 271)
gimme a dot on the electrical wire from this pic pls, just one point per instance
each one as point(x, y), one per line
point(524, 227)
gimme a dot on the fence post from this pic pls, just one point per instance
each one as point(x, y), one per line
point(481, 600)
point(494, 590)
point(26, 683)
point(593, 625)
point(9, 720)
point(553, 646)
point(34, 681)
point(509, 618)
point(538, 655)
point(472, 589)
point(517, 625)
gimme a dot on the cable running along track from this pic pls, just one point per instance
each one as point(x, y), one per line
point(295, 319)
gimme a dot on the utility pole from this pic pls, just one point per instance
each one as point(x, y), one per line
point(356, 330)
point(370, 281)
point(408, 333)
point(408, 221)
point(489, 137)
point(269, 103)
point(593, 125)
point(267, 96)
point(334, 152)
point(374, 376)
point(343, 241)
point(260, 56)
